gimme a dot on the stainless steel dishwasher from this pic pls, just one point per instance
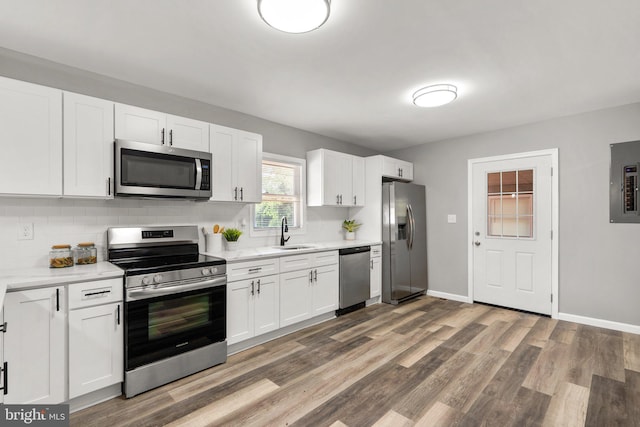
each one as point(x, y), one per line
point(354, 278)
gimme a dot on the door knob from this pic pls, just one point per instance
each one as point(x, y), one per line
point(476, 243)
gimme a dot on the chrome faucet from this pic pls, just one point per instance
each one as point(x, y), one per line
point(284, 228)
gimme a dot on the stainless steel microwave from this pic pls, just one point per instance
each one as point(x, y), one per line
point(161, 171)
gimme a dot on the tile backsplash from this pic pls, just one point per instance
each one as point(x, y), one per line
point(70, 221)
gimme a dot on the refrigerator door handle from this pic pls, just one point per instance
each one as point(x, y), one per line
point(412, 224)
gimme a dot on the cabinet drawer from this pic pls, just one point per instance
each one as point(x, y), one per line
point(376, 251)
point(296, 262)
point(249, 269)
point(95, 293)
point(325, 258)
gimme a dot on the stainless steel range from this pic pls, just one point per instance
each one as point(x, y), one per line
point(175, 304)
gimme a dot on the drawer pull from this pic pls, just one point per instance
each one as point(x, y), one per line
point(100, 293)
point(255, 269)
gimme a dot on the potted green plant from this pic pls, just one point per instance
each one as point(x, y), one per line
point(350, 226)
point(231, 236)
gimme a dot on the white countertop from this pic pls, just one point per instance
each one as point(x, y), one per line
point(274, 251)
point(38, 277)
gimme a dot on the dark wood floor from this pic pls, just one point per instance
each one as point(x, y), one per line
point(429, 362)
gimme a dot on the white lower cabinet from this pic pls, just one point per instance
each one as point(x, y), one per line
point(96, 346)
point(376, 271)
point(252, 307)
point(3, 371)
point(35, 346)
point(253, 299)
point(311, 290)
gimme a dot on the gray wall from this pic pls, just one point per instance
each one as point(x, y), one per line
point(599, 273)
point(277, 138)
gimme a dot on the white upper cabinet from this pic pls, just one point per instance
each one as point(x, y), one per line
point(31, 135)
point(237, 165)
point(154, 127)
point(358, 183)
point(188, 133)
point(334, 179)
point(88, 146)
point(397, 169)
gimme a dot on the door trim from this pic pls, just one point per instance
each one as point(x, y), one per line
point(555, 216)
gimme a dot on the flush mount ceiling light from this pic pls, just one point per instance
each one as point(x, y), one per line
point(435, 95)
point(294, 16)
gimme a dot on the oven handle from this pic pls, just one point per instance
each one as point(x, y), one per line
point(144, 293)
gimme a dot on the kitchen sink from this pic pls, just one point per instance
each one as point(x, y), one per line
point(293, 247)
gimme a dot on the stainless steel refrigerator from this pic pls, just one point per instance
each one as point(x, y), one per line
point(404, 241)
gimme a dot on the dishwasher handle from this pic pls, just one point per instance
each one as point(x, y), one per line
point(356, 250)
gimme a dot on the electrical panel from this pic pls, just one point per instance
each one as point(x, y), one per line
point(623, 190)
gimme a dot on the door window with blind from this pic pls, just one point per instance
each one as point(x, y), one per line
point(283, 185)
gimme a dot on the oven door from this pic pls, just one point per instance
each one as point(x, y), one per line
point(151, 170)
point(166, 321)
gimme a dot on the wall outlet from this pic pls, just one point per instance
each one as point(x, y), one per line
point(25, 231)
point(451, 219)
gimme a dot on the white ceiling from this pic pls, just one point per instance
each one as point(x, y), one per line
point(514, 61)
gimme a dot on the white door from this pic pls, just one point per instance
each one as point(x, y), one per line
point(139, 124)
point(267, 305)
point(35, 346)
point(222, 143)
point(96, 357)
point(188, 133)
point(325, 289)
point(88, 146)
point(247, 165)
point(512, 232)
point(240, 313)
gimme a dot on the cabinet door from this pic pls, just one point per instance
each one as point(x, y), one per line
point(4, 374)
point(358, 180)
point(266, 305)
point(31, 135)
point(139, 124)
point(247, 167)
point(295, 297)
point(240, 310)
point(88, 146)
point(325, 289)
point(96, 358)
point(222, 143)
point(376, 277)
point(334, 164)
point(187, 133)
point(390, 167)
point(406, 170)
point(35, 346)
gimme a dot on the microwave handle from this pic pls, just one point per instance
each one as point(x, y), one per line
point(198, 174)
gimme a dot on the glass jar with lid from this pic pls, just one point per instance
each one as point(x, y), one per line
point(60, 256)
point(85, 253)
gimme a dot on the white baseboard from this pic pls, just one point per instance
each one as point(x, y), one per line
point(445, 295)
point(608, 324)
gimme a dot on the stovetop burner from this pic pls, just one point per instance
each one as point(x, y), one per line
point(135, 266)
point(149, 250)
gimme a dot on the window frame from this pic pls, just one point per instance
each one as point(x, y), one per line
point(275, 231)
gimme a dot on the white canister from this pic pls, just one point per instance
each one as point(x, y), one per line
point(213, 242)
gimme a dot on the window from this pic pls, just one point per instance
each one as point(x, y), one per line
point(283, 185)
point(510, 204)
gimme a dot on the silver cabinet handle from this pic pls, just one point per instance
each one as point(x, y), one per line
point(252, 288)
point(258, 286)
point(254, 270)
point(372, 264)
point(476, 243)
point(241, 193)
point(171, 137)
point(310, 276)
point(354, 200)
point(341, 199)
point(337, 199)
point(315, 275)
point(118, 315)
point(162, 138)
point(235, 193)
